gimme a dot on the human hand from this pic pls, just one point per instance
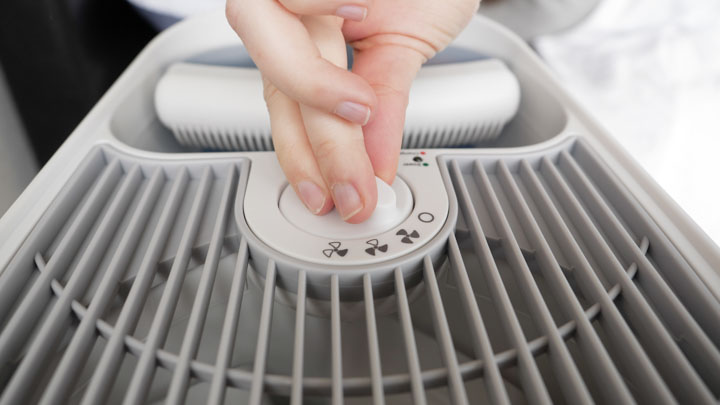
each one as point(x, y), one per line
point(318, 109)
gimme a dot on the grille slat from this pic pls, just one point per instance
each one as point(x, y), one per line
point(336, 342)
point(299, 343)
point(416, 380)
point(442, 332)
point(373, 345)
point(263, 336)
point(229, 329)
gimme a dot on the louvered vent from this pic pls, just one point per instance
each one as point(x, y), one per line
point(135, 287)
point(453, 136)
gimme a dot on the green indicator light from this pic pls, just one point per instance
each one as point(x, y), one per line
point(426, 164)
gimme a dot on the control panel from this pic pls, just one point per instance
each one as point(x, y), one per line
point(410, 212)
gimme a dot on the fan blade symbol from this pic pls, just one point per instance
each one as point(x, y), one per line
point(375, 246)
point(407, 237)
point(335, 249)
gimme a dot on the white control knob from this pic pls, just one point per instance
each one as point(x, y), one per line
point(393, 206)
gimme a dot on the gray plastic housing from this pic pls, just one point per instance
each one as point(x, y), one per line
point(125, 119)
point(562, 273)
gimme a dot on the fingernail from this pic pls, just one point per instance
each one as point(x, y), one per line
point(353, 112)
point(355, 13)
point(347, 200)
point(312, 196)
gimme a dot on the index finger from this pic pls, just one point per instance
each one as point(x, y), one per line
point(337, 144)
point(281, 47)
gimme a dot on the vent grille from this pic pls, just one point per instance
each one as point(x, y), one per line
point(459, 134)
point(216, 139)
point(471, 133)
point(553, 214)
point(136, 287)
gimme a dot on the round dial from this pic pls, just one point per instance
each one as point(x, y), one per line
point(394, 204)
point(409, 214)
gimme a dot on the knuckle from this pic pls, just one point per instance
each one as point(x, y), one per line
point(233, 10)
point(295, 167)
point(333, 149)
point(326, 149)
point(239, 15)
point(284, 151)
point(384, 89)
point(316, 92)
point(271, 94)
point(295, 6)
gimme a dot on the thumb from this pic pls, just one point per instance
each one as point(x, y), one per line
point(390, 70)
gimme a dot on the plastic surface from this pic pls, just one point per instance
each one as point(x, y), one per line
point(393, 206)
point(560, 274)
point(544, 254)
point(222, 107)
point(280, 220)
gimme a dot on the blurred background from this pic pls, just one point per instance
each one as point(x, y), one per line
point(648, 70)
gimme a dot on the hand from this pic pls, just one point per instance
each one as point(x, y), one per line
point(334, 130)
